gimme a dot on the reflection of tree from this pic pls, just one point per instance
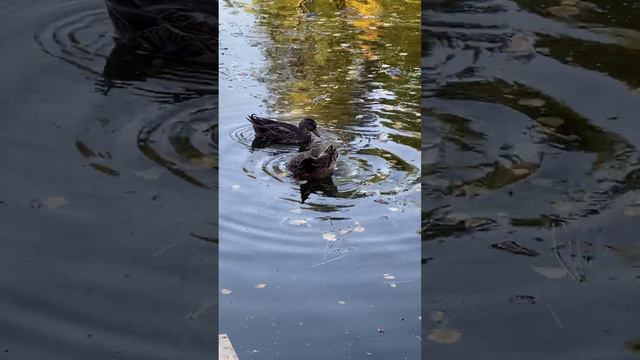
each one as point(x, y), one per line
point(324, 56)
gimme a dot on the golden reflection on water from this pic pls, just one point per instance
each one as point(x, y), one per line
point(343, 62)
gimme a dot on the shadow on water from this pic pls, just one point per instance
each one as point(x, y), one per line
point(530, 142)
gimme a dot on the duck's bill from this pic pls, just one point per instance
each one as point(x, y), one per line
point(315, 132)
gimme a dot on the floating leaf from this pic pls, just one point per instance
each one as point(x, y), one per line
point(298, 222)
point(329, 236)
point(54, 202)
point(235, 187)
point(523, 299)
point(521, 43)
point(393, 209)
point(532, 102)
point(105, 169)
point(225, 291)
point(550, 272)
point(389, 277)
point(358, 228)
point(445, 336)
point(342, 302)
point(514, 248)
point(564, 10)
point(550, 121)
point(260, 286)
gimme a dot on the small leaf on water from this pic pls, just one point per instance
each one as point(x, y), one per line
point(342, 302)
point(445, 336)
point(358, 228)
point(532, 102)
point(235, 187)
point(225, 291)
point(393, 285)
point(564, 10)
point(260, 286)
point(383, 137)
point(520, 171)
point(389, 277)
point(523, 299)
point(393, 209)
point(298, 222)
point(380, 329)
point(344, 231)
point(550, 121)
point(329, 236)
point(550, 272)
point(54, 202)
point(514, 248)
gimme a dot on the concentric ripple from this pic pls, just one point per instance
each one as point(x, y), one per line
point(362, 170)
point(183, 141)
point(503, 126)
point(83, 37)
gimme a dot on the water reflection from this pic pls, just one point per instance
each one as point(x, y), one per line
point(530, 146)
point(83, 36)
point(180, 136)
point(353, 66)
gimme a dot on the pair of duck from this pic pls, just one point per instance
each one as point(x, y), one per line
point(317, 163)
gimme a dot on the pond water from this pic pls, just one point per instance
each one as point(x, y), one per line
point(321, 270)
point(530, 136)
point(109, 226)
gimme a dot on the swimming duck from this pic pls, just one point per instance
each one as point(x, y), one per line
point(277, 132)
point(317, 163)
point(183, 29)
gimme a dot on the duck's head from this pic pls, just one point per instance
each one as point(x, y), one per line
point(310, 125)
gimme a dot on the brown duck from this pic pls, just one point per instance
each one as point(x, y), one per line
point(278, 132)
point(317, 163)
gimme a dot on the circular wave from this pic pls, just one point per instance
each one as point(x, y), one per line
point(494, 140)
point(84, 38)
point(362, 169)
point(183, 140)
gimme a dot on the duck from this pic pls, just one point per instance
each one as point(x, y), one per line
point(180, 29)
point(315, 164)
point(277, 132)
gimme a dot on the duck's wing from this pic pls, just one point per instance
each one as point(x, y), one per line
point(265, 125)
point(325, 160)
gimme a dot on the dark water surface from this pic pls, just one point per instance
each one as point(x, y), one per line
point(108, 216)
point(530, 135)
point(321, 270)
